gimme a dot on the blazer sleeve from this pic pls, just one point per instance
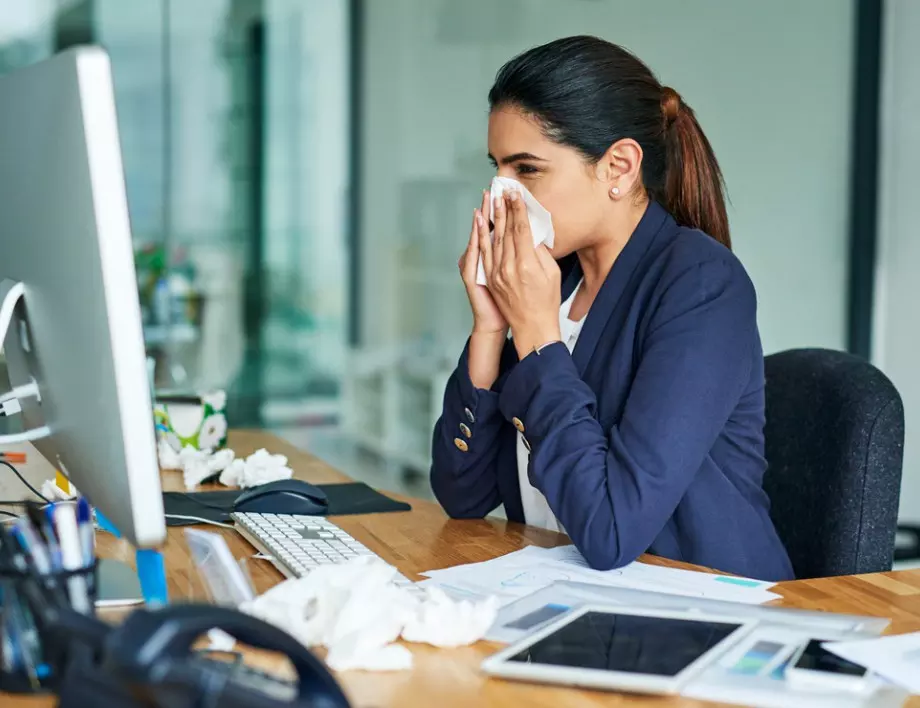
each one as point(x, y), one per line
point(465, 481)
point(615, 489)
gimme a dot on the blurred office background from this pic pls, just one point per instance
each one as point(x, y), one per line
point(301, 175)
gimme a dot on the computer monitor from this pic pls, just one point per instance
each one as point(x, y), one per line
point(65, 235)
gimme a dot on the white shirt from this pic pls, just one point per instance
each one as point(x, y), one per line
point(536, 509)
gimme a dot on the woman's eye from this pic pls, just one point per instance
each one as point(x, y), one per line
point(526, 169)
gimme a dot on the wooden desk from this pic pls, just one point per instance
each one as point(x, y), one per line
point(424, 539)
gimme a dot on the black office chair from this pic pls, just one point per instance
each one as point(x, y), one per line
point(834, 448)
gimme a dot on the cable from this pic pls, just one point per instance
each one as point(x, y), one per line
point(205, 504)
point(200, 520)
point(9, 514)
point(26, 436)
point(26, 482)
point(21, 393)
point(8, 306)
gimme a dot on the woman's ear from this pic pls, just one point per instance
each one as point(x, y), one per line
point(620, 168)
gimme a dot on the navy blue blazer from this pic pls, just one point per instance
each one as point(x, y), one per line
point(649, 436)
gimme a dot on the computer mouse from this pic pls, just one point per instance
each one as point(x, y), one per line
point(286, 496)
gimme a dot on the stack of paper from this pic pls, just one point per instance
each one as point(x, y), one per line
point(520, 573)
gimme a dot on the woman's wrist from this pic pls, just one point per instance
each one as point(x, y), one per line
point(484, 354)
point(528, 341)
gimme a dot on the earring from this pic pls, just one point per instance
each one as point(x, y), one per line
point(615, 191)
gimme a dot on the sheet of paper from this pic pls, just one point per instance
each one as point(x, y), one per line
point(897, 658)
point(520, 573)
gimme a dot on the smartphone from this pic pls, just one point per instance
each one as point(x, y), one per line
point(815, 667)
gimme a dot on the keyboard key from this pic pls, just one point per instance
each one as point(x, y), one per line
point(301, 543)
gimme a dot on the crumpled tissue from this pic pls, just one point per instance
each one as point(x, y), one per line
point(260, 467)
point(196, 465)
point(357, 611)
point(199, 465)
point(541, 223)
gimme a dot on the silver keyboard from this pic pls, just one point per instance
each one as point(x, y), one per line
point(298, 544)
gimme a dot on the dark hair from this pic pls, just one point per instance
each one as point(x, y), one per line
point(588, 94)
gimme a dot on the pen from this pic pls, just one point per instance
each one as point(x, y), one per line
point(87, 533)
point(15, 458)
point(42, 518)
point(24, 532)
point(65, 519)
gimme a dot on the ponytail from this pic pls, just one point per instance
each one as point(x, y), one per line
point(693, 185)
point(588, 93)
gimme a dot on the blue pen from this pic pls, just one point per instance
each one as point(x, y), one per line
point(87, 533)
point(25, 534)
point(47, 527)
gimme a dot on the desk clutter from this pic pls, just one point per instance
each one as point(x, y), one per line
point(52, 642)
point(359, 609)
point(356, 609)
point(47, 563)
point(641, 627)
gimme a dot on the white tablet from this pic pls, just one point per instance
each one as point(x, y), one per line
point(620, 648)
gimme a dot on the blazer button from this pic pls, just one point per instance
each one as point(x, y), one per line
point(469, 415)
point(465, 429)
point(516, 422)
point(461, 445)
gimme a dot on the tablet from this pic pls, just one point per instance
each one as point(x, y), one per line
point(620, 648)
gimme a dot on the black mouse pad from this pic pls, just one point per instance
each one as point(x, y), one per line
point(186, 508)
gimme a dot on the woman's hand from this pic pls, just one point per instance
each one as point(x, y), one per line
point(487, 318)
point(490, 329)
point(524, 281)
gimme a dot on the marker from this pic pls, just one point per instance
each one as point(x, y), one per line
point(43, 518)
point(65, 521)
point(14, 458)
point(24, 532)
point(87, 534)
point(31, 542)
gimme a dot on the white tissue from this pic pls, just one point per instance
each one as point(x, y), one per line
point(444, 622)
point(357, 611)
point(541, 223)
point(219, 640)
point(196, 465)
point(169, 458)
point(259, 468)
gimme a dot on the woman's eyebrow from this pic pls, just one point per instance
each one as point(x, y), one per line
point(516, 157)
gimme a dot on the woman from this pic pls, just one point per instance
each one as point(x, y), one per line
point(646, 435)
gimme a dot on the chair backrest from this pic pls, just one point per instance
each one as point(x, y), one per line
point(834, 448)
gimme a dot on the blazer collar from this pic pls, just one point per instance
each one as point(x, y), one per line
point(623, 271)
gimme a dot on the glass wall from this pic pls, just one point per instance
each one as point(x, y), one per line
point(234, 122)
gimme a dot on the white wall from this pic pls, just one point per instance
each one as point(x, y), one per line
point(896, 342)
point(770, 82)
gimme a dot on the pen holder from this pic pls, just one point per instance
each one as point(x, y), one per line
point(32, 657)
